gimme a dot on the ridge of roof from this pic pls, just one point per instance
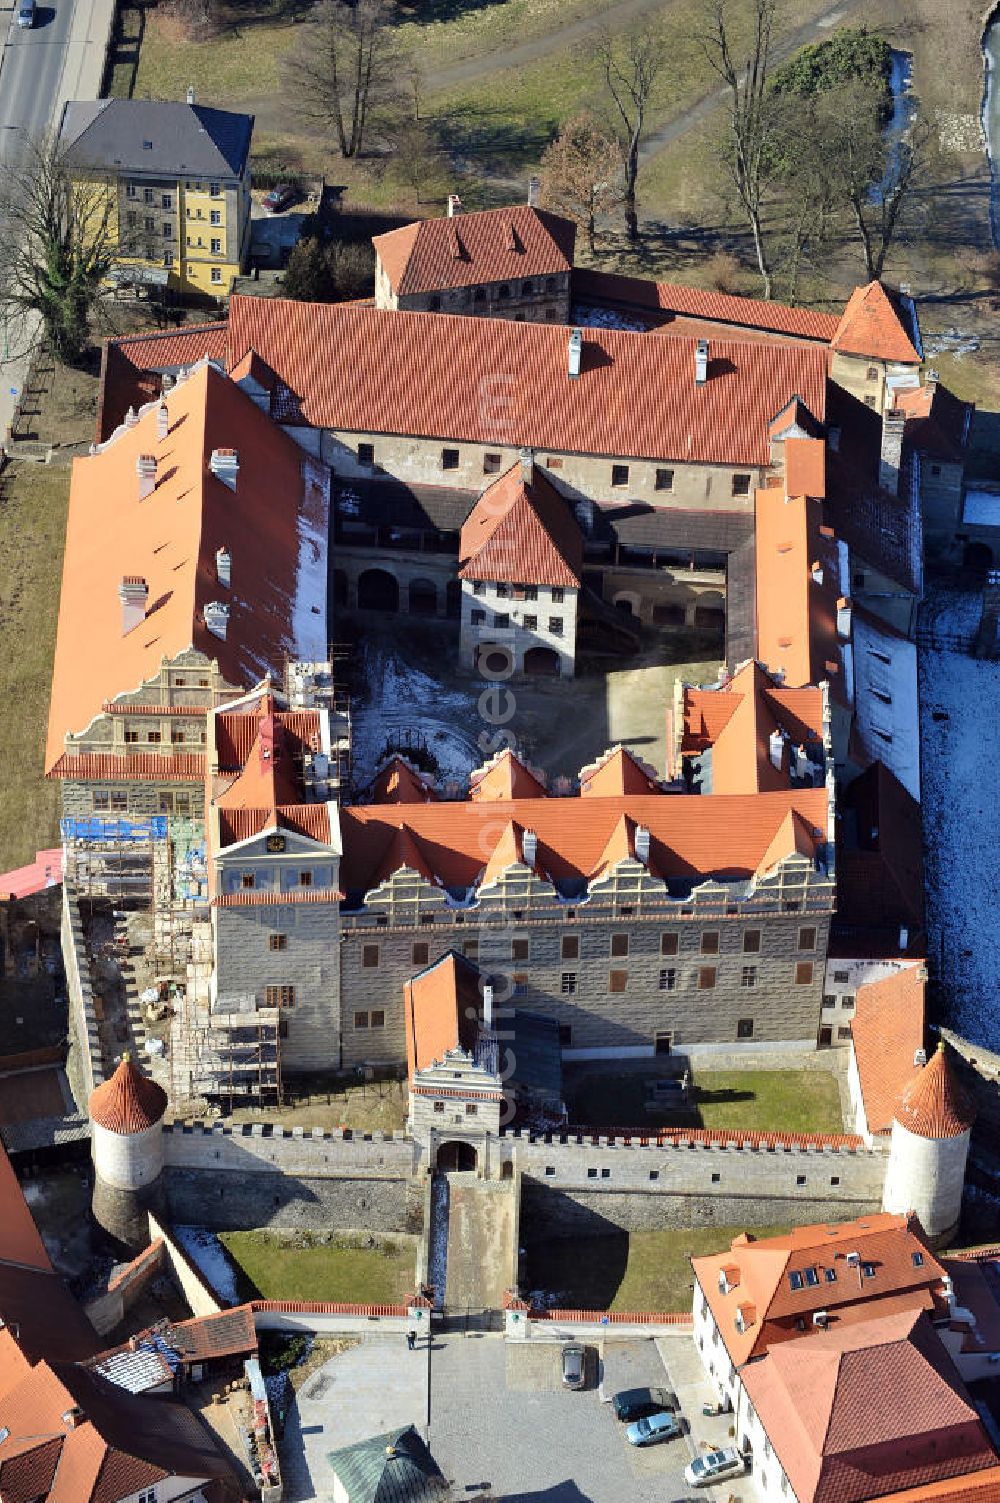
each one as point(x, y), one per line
point(487, 245)
point(872, 324)
point(521, 530)
point(505, 776)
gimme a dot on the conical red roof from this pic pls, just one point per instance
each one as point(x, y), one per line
point(128, 1102)
point(934, 1105)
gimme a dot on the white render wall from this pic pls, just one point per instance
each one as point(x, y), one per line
point(926, 1175)
point(517, 638)
point(127, 1161)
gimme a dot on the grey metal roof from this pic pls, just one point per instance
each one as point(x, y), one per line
point(155, 137)
point(392, 1468)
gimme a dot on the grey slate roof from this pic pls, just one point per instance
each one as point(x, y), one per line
point(182, 138)
point(392, 1468)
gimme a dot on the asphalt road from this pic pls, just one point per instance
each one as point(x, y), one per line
point(30, 71)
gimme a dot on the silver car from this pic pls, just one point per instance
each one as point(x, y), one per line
point(26, 13)
point(574, 1366)
point(714, 1466)
point(653, 1428)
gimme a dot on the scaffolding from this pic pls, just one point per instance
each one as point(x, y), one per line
point(112, 858)
point(321, 686)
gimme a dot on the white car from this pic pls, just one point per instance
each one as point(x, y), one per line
point(714, 1466)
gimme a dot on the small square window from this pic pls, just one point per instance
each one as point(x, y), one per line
point(619, 944)
point(478, 618)
point(664, 480)
point(558, 594)
point(531, 623)
point(567, 983)
point(917, 1259)
point(277, 941)
point(556, 626)
point(119, 801)
point(844, 1034)
point(716, 1178)
point(366, 453)
point(654, 1173)
point(668, 943)
point(807, 939)
point(751, 941)
point(420, 952)
point(795, 1279)
point(378, 1018)
point(216, 274)
point(531, 592)
point(741, 485)
point(668, 979)
point(520, 984)
point(744, 1028)
point(847, 1002)
point(247, 880)
point(449, 459)
point(748, 976)
point(710, 942)
point(804, 973)
point(520, 949)
point(706, 978)
point(215, 217)
point(873, 373)
point(279, 996)
point(617, 981)
point(501, 619)
point(550, 1169)
point(305, 879)
point(605, 1173)
point(591, 1173)
point(439, 1106)
point(491, 464)
point(619, 474)
point(812, 1277)
point(800, 1179)
point(214, 189)
point(830, 1274)
point(369, 957)
point(571, 947)
point(471, 1108)
point(361, 1020)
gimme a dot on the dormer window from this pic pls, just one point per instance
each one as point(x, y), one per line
point(812, 1277)
point(918, 1260)
point(795, 1280)
point(830, 1274)
point(868, 1269)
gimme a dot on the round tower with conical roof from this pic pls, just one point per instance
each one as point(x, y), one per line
point(929, 1148)
point(126, 1116)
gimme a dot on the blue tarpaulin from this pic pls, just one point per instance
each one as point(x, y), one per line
point(115, 829)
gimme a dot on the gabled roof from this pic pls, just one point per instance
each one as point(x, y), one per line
point(703, 304)
point(937, 422)
point(155, 137)
point(392, 1468)
point(616, 774)
point(890, 1244)
point(133, 365)
point(522, 530)
point(442, 1008)
point(490, 245)
point(856, 1412)
point(170, 539)
point(738, 719)
point(880, 323)
point(402, 849)
point(508, 851)
point(268, 777)
point(805, 466)
point(886, 1031)
point(129, 1102)
point(934, 1105)
point(796, 601)
point(505, 777)
point(376, 370)
point(399, 783)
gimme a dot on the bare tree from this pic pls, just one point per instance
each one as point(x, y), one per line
point(582, 173)
point(61, 236)
point(631, 63)
point(750, 115)
point(344, 67)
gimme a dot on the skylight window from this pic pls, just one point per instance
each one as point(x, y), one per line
point(812, 1277)
point(830, 1274)
point(868, 1269)
point(795, 1279)
point(918, 1260)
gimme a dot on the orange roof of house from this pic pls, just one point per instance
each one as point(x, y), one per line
point(268, 777)
point(935, 1105)
point(937, 422)
point(376, 370)
point(975, 1487)
point(311, 820)
point(132, 367)
point(506, 777)
point(490, 245)
point(521, 530)
point(888, 1242)
point(854, 1411)
point(143, 767)
point(617, 774)
point(128, 1102)
point(796, 604)
point(20, 1241)
point(887, 1030)
point(236, 729)
point(805, 466)
point(737, 721)
point(690, 836)
point(873, 325)
point(702, 303)
point(170, 540)
point(442, 1007)
point(399, 783)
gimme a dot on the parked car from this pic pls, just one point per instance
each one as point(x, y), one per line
point(654, 1428)
point(574, 1366)
point(638, 1403)
point(714, 1466)
point(279, 198)
point(26, 13)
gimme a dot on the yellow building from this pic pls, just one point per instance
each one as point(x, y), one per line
point(180, 175)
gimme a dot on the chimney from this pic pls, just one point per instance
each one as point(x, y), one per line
point(162, 420)
point(844, 618)
point(701, 362)
point(803, 766)
point(821, 1318)
point(642, 844)
point(931, 380)
point(217, 619)
point(529, 848)
point(919, 1058)
point(131, 418)
point(527, 466)
point(776, 747)
point(223, 566)
point(893, 423)
point(575, 352)
point(534, 192)
point(487, 1007)
point(225, 466)
point(73, 1417)
point(145, 468)
point(454, 205)
point(816, 570)
point(133, 592)
point(190, 94)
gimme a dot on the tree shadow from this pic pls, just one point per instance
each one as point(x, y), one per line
point(427, 12)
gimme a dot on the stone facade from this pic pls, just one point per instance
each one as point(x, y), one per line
point(927, 1175)
point(543, 299)
point(511, 621)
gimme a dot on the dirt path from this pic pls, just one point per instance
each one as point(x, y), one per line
point(480, 1242)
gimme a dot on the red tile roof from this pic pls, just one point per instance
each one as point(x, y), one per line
point(128, 1102)
point(805, 466)
point(236, 730)
point(618, 773)
point(737, 721)
point(268, 777)
point(263, 899)
point(702, 303)
point(887, 1030)
point(312, 820)
point(19, 1238)
point(399, 783)
point(975, 1487)
point(442, 1006)
point(877, 323)
point(506, 777)
point(888, 1242)
point(370, 370)
point(935, 1105)
point(132, 367)
point(856, 1412)
point(689, 835)
point(521, 531)
point(171, 539)
point(491, 245)
point(937, 423)
point(143, 767)
point(796, 604)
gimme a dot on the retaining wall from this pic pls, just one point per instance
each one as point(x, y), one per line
point(109, 1309)
point(82, 1013)
point(196, 1290)
point(227, 1177)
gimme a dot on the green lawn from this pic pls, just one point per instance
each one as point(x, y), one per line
point(755, 1100)
point(311, 1101)
point(298, 1265)
point(626, 1271)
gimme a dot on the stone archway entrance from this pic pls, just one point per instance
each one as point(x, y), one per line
point(455, 1155)
point(378, 591)
point(542, 662)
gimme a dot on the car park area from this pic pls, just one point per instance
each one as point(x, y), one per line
point(502, 1423)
